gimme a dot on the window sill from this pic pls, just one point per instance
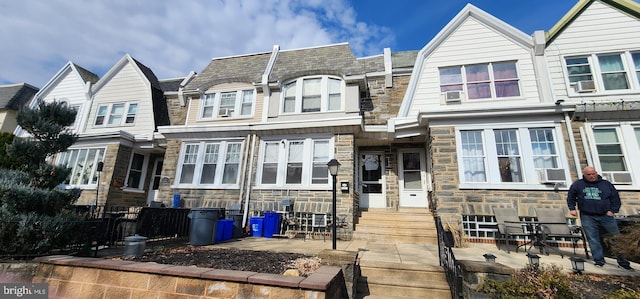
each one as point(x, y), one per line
point(291, 187)
point(523, 186)
point(224, 118)
point(132, 190)
point(203, 187)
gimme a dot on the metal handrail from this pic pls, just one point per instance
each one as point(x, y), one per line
point(448, 261)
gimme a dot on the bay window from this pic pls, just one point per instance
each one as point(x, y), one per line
point(312, 94)
point(83, 164)
point(210, 163)
point(295, 162)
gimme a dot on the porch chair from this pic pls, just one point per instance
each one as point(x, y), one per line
point(554, 225)
point(509, 226)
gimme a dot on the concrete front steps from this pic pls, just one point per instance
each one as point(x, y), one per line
point(392, 280)
point(409, 225)
point(395, 280)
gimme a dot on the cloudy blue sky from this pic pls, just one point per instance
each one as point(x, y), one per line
point(174, 37)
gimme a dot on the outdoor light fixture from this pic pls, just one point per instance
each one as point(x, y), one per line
point(334, 166)
point(577, 264)
point(534, 259)
point(489, 257)
point(99, 170)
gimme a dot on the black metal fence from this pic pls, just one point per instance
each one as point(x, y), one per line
point(448, 261)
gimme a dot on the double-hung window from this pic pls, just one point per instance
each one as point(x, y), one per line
point(83, 164)
point(295, 162)
point(614, 148)
point(227, 104)
point(210, 163)
point(116, 114)
point(482, 81)
point(312, 94)
point(135, 177)
point(604, 71)
point(507, 155)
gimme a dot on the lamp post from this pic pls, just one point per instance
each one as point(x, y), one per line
point(534, 260)
point(99, 170)
point(333, 166)
point(577, 264)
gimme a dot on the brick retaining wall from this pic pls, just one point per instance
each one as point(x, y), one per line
point(75, 277)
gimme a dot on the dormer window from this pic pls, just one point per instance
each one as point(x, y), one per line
point(227, 104)
point(116, 114)
point(312, 94)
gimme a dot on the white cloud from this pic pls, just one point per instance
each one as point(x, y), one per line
point(170, 37)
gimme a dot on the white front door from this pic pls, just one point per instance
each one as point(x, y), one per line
point(155, 181)
point(412, 178)
point(372, 186)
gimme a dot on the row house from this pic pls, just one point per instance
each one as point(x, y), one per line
point(13, 97)
point(511, 119)
point(118, 148)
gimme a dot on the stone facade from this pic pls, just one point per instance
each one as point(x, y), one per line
point(386, 101)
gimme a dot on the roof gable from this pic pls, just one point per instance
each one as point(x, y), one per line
point(468, 12)
point(627, 6)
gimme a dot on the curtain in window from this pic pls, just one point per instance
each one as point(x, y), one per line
point(207, 106)
point(473, 156)
point(335, 97)
point(450, 79)
point(189, 164)
point(290, 97)
point(508, 155)
point(478, 85)
point(636, 63)
point(613, 73)
point(578, 69)
point(320, 172)
point(506, 77)
point(544, 149)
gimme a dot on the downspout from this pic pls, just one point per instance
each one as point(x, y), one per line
point(585, 144)
point(245, 214)
point(245, 152)
point(572, 140)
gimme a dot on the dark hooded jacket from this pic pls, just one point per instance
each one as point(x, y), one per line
point(595, 198)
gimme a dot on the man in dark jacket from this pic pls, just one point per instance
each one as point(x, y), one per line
point(598, 201)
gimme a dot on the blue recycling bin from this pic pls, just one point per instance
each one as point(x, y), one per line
point(219, 231)
point(271, 224)
point(227, 231)
point(176, 203)
point(256, 226)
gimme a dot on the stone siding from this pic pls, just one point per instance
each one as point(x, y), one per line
point(385, 101)
point(453, 202)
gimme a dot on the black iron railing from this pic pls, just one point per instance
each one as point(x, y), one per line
point(448, 261)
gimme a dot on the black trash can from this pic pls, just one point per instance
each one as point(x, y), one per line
point(203, 225)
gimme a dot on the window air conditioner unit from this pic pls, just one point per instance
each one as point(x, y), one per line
point(585, 86)
point(551, 175)
point(224, 112)
point(453, 96)
point(620, 178)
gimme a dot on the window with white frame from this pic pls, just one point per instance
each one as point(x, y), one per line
point(506, 155)
point(604, 71)
point(116, 114)
point(312, 94)
point(295, 162)
point(482, 81)
point(609, 149)
point(83, 164)
point(227, 104)
point(210, 163)
point(135, 176)
point(614, 148)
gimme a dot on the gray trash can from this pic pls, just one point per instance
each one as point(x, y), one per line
point(203, 225)
point(134, 246)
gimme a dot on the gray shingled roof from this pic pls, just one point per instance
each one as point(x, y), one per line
point(15, 96)
point(247, 68)
point(334, 59)
point(168, 85)
point(86, 75)
point(404, 59)
point(373, 64)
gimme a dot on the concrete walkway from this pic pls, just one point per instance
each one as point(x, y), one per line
point(420, 254)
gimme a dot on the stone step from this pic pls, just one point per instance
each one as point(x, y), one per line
point(398, 221)
point(395, 216)
point(396, 280)
point(420, 229)
point(396, 238)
